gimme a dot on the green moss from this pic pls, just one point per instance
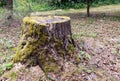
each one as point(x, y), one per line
point(52, 67)
point(71, 48)
point(30, 41)
point(59, 47)
point(48, 62)
point(34, 41)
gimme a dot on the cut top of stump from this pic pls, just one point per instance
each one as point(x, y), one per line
point(46, 20)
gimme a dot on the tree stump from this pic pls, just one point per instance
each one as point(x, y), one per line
point(46, 41)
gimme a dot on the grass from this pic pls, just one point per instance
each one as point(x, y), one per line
point(103, 10)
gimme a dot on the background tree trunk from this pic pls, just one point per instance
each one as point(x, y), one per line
point(46, 41)
point(88, 8)
point(10, 12)
point(10, 4)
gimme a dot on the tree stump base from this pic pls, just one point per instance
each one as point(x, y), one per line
point(46, 41)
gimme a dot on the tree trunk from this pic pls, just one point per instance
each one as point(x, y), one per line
point(88, 8)
point(46, 41)
point(10, 4)
point(10, 10)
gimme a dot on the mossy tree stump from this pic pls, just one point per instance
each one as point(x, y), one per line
point(46, 41)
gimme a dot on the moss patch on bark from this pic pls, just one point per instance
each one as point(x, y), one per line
point(37, 46)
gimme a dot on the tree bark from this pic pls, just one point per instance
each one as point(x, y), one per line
point(46, 41)
point(88, 8)
point(10, 10)
point(10, 4)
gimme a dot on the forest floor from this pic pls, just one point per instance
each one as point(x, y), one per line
point(97, 36)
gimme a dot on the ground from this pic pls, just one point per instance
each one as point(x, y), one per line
point(98, 37)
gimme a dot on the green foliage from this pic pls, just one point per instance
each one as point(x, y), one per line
point(6, 66)
point(9, 66)
point(40, 5)
point(106, 2)
point(3, 3)
point(80, 3)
